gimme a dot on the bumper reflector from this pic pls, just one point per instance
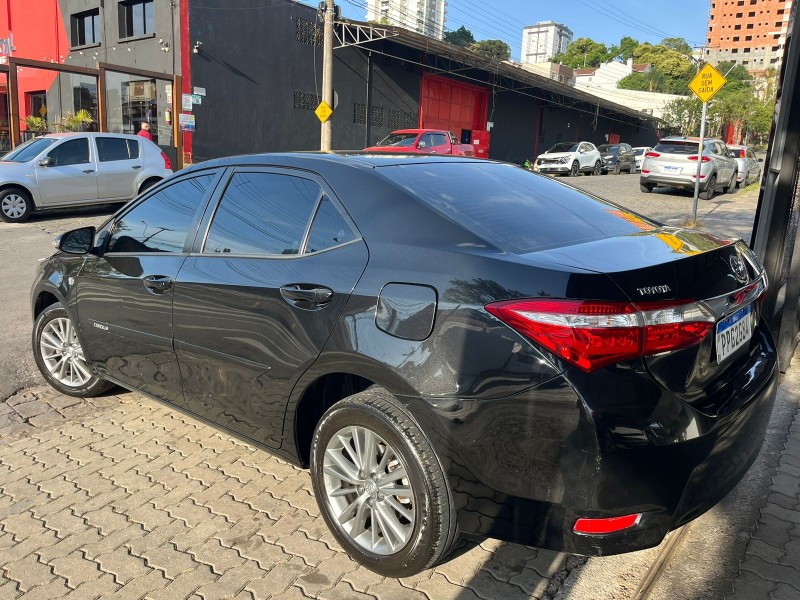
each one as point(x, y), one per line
point(610, 525)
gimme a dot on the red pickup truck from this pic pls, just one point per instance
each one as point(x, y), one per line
point(422, 141)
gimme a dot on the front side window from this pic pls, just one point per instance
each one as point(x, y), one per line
point(72, 152)
point(85, 28)
point(262, 214)
point(111, 149)
point(426, 141)
point(136, 18)
point(162, 222)
point(438, 139)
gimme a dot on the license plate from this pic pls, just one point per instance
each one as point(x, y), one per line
point(670, 169)
point(733, 332)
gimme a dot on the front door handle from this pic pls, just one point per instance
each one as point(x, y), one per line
point(310, 294)
point(88, 170)
point(157, 284)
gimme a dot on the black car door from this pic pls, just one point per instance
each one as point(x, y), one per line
point(259, 297)
point(125, 295)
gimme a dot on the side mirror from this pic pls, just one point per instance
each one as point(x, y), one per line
point(47, 161)
point(77, 241)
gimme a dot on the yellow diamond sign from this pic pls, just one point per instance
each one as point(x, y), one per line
point(324, 111)
point(707, 83)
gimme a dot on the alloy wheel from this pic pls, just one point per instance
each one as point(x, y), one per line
point(368, 490)
point(62, 353)
point(14, 206)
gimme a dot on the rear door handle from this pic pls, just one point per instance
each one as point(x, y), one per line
point(137, 167)
point(313, 295)
point(157, 284)
point(88, 170)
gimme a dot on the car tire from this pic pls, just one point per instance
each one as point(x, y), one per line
point(395, 535)
point(596, 170)
point(646, 187)
point(731, 187)
point(575, 169)
point(708, 193)
point(617, 169)
point(15, 205)
point(59, 356)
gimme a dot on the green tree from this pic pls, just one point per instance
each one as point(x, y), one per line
point(625, 49)
point(678, 44)
point(683, 115)
point(671, 62)
point(583, 53)
point(496, 49)
point(460, 37)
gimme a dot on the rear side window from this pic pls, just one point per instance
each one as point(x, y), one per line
point(110, 149)
point(329, 228)
point(72, 152)
point(162, 222)
point(512, 208)
point(262, 213)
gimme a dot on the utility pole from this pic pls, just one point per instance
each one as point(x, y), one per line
point(327, 73)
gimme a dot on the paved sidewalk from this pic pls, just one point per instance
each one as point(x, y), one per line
point(771, 568)
point(122, 496)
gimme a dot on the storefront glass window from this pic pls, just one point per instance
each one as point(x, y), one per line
point(5, 133)
point(132, 100)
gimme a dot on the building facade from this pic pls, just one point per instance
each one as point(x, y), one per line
point(751, 33)
point(543, 41)
point(426, 17)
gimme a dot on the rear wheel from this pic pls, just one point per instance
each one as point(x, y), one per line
point(573, 172)
point(646, 187)
point(59, 355)
point(15, 205)
point(708, 193)
point(380, 486)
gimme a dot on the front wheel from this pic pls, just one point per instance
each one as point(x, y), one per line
point(575, 169)
point(15, 205)
point(597, 170)
point(731, 187)
point(59, 355)
point(380, 486)
point(617, 168)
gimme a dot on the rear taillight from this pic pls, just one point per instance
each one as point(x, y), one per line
point(608, 525)
point(645, 171)
point(593, 334)
point(167, 161)
point(652, 154)
point(704, 159)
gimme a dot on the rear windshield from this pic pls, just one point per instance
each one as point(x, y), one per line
point(512, 208)
point(676, 147)
point(564, 147)
point(638, 151)
point(398, 139)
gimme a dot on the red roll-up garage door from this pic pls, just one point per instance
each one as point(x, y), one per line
point(452, 105)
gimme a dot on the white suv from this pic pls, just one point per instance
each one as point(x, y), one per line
point(73, 169)
point(570, 158)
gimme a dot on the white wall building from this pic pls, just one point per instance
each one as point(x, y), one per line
point(543, 41)
point(423, 16)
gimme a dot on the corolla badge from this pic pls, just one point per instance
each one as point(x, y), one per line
point(653, 289)
point(738, 268)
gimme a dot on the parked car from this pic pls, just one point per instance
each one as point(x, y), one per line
point(639, 152)
point(504, 345)
point(749, 167)
point(673, 162)
point(423, 141)
point(617, 158)
point(570, 158)
point(73, 169)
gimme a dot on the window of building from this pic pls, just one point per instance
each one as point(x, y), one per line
point(136, 18)
point(753, 2)
point(740, 3)
point(779, 23)
point(85, 28)
point(747, 38)
point(749, 26)
point(736, 38)
point(751, 14)
point(735, 51)
point(746, 50)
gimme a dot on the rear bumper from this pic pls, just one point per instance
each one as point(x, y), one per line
point(525, 468)
point(677, 181)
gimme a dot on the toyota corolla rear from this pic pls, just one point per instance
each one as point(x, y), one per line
point(613, 378)
point(674, 163)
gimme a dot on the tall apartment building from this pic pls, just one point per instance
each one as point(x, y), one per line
point(543, 41)
point(423, 16)
point(751, 33)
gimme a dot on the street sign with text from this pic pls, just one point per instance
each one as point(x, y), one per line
point(324, 111)
point(707, 83)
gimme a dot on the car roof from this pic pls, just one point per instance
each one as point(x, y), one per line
point(88, 134)
point(352, 158)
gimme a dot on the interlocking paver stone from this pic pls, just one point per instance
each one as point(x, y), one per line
point(29, 573)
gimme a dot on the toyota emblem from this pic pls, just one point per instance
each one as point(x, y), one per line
point(738, 268)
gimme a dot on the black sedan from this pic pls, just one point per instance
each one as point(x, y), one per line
point(449, 345)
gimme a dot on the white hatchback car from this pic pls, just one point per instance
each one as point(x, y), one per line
point(639, 154)
point(73, 169)
point(570, 158)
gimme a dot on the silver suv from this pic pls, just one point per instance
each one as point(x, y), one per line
point(673, 162)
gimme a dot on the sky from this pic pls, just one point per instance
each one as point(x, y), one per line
point(604, 21)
